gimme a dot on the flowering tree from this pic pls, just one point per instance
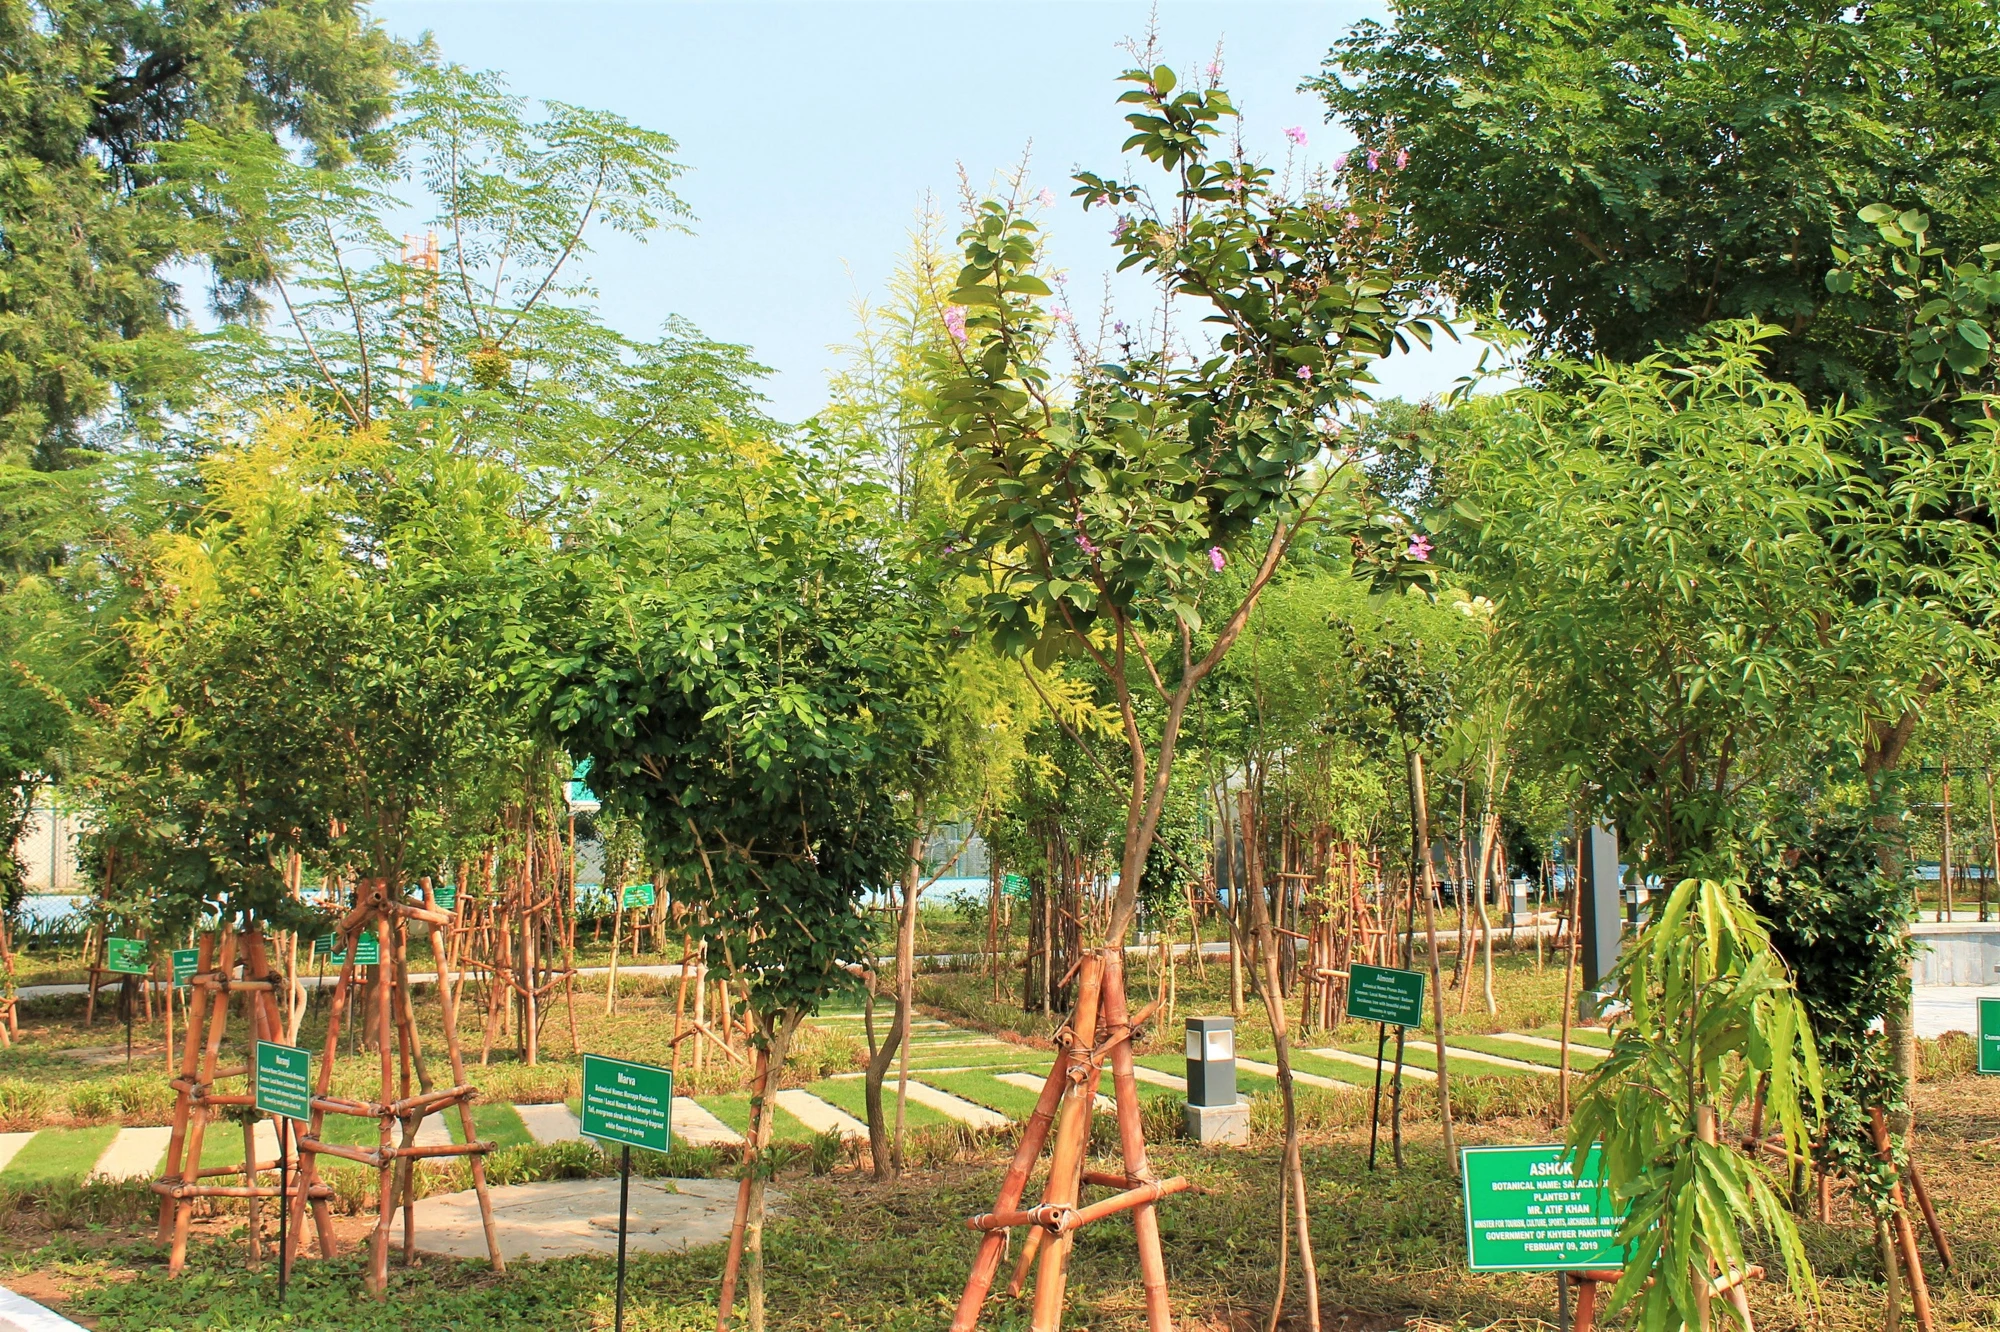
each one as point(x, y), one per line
point(1096, 511)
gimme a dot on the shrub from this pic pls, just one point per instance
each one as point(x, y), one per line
point(1950, 1056)
point(533, 1163)
point(25, 1104)
point(131, 1098)
point(68, 1203)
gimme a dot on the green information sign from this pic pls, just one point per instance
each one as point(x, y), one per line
point(323, 945)
point(1015, 886)
point(1989, 1035)
point(1529, 1210)
point(446, 896)
point(367, 953)
point(1385, 994)
point(627, 1103)
point(186, 962)
point(284, 1080)
point(127, 957)
point(638, 895)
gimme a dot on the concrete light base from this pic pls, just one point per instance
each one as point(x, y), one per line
point(1226, 1124)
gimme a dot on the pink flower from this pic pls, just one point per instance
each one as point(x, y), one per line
point(1340, 162)
point(954, 323)
point(1306, 373)
point(1297, 134)
point(1215, 559)
point(1402, 158)
point(1352, 221)
point(1046, 199)
point(1118, 232)
point(1061, 315)
point(1234, 184)
point(1374, 159)
point(1215, 69)
point(1083, 542)
point(1420, 549)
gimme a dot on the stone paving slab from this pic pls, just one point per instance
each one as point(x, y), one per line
point(18, 1313)
point(432, 1132)
point(135, 1154)
point(11, 1145)
point(818, 1115)
point(549, 1123)
point(970, 1113)
point(1938, 1009)
point(1410, 1071)
point(1030, 1082)
point(1299, 1075)
point(1501, 1061)
point(561, 1218)
point(1544, 1043)
point(1159, 1079)
point(695, 1125)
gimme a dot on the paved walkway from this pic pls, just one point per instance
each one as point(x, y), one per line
point(561, 1218)
point(818, 1116)
point(18, 1313)
point(1943, 1008)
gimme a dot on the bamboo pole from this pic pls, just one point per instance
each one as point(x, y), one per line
point(1067, 1160)
point(1132, 1146)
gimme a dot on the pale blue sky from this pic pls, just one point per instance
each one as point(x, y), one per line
point(813, 131)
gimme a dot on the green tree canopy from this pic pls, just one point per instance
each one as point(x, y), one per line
point(89, 319)
point(1674, 547)
point(1619, 173)
point(739, 660)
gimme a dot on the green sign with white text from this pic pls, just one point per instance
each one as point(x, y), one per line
point(1989, 1035)
point(1529, 1210)
point(284, 1080)
point(445, 895)
point(186, 962)
point(639, 895)
point(1015, 886)
point(1385, 994)
point(627, 1103)
point(367, 953)
point(127, 957)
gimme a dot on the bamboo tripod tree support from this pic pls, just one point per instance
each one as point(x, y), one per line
point(1071, 1092)
point(394, 1027)
point(212, 986)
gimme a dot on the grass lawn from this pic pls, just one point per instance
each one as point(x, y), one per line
point(850, 1253)
point(1580, 1056)
point(55, 1155)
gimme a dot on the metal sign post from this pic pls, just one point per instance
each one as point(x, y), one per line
point(632, 1105)
point(281, 1080)
point(127, 957)
point(1388, 997)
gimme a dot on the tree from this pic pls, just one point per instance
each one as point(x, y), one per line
point(975, 709)
point(739, 659)
point(311, 670)
point(1713, 1017)
point(485, 332)
point(89, 317)
point(1096, 510)
point(1672, 547)
point(1619, 174)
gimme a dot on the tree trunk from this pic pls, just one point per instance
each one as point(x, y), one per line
point(778, 1036)
point(1420, 818)
point(1293, 1181)
point(887, 1150)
